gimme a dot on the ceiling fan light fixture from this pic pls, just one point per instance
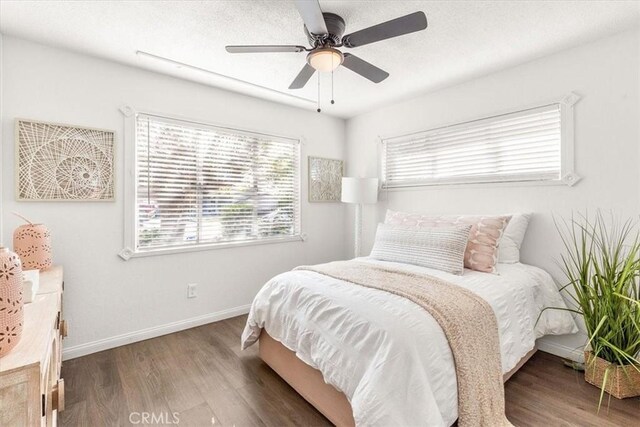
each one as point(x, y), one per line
point(325, 32)
point(325, 59)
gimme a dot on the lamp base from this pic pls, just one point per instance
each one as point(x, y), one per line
point(358, 230)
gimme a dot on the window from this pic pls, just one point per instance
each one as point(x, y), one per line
point(199, 185)
point(527, 145)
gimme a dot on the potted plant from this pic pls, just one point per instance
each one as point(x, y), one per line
point(602, 265)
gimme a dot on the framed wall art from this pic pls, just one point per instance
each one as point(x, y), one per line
point(325, 179)
point(56, 162)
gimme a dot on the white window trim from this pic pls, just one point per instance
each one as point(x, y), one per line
point(130, 184)
point(568, 175)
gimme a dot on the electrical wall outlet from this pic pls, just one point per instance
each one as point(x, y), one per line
point(192, 290)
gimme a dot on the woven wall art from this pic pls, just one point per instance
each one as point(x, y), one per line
point(325, 179)
point(60, 162)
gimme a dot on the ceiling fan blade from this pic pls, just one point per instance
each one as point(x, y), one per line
point(365, 69)
point(396, 27)
point(312, 16)
point(264, 48)
point(303, 77)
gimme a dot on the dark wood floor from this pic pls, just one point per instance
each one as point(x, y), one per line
point(202, 375)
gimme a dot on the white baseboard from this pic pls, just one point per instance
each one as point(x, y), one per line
point(155, 331)
point(561, 350)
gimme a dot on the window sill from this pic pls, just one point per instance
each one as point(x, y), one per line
point(128, 253)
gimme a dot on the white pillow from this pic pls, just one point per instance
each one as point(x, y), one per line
point(511, 241)
point(440, 248)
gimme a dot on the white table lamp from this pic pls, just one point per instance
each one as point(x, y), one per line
point(359, 191)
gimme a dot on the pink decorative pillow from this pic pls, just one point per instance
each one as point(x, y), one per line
point(481, 253)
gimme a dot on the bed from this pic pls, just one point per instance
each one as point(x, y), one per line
point(367, 357)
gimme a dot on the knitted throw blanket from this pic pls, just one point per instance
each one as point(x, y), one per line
point(468, 323)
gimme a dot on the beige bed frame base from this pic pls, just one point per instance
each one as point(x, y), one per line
point(309, 383)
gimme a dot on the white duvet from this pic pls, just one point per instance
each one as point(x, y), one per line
point(387, 354)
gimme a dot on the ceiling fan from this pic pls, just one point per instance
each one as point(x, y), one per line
point(325, 34)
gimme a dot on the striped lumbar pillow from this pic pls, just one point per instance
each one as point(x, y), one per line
point(441, 248)
point(484, 237)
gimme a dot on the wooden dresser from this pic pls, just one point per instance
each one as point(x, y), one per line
point(31, 390)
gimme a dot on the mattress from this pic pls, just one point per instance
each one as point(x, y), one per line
point(386, 354)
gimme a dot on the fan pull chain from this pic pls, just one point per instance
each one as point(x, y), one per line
point(332, 69)
point(318, 110)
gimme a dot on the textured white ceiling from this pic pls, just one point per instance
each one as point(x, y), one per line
point(464, 39)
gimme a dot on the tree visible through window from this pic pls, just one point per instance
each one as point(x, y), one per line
point(200, 185)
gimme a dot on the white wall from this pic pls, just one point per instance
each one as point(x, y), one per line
point(109, 301)
point(1, 151)
point(605, 73)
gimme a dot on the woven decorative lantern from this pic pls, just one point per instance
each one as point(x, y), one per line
point(32, 243)
point(11, 304)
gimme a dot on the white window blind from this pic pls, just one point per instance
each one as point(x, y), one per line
point(519, 146)
point(200, 185)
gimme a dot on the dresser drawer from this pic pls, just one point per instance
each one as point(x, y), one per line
point(31, 390)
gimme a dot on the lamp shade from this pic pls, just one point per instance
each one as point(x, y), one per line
point(359, 190)
point(325, 59)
